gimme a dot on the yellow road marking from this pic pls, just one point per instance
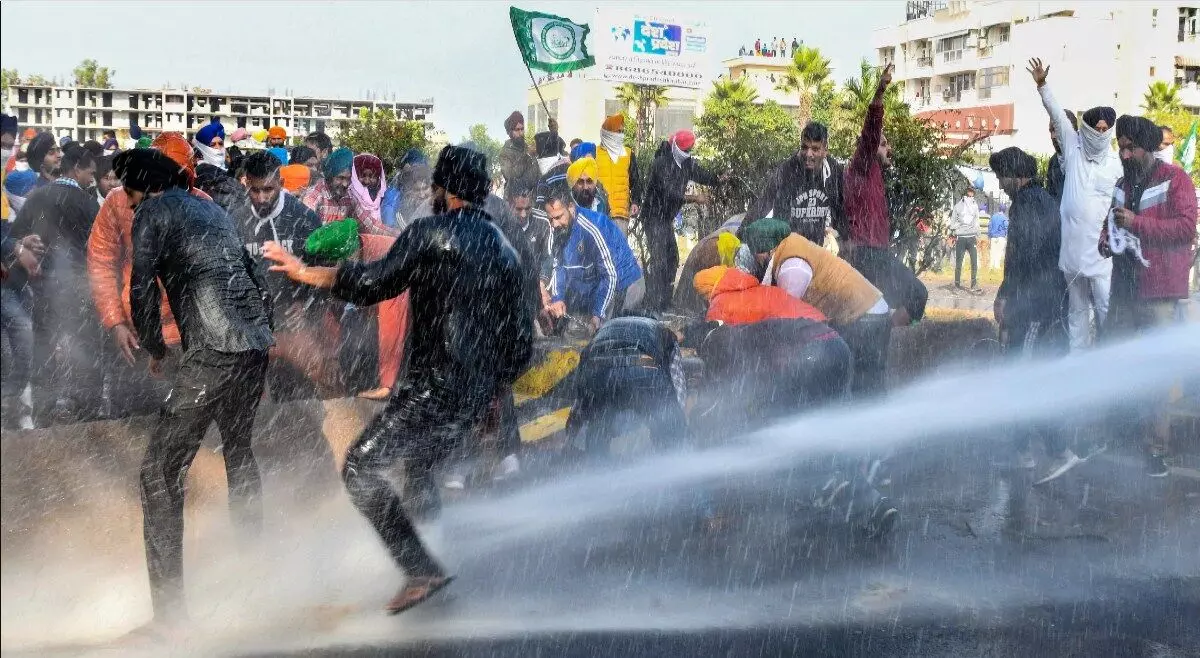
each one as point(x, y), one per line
point(543, 426)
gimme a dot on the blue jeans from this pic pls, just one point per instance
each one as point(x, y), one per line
point(18, 341)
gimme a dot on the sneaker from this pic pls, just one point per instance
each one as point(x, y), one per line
point(455, 480)
point(1156, 466)
point(1058, 467)
point(1025, 460)
point(508, 467)
point(883, 519)
point(831, 492)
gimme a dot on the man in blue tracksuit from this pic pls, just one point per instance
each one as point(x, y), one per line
point(595, 272)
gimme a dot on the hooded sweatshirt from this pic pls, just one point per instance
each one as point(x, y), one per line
point(807, 203)
point(1090, 172)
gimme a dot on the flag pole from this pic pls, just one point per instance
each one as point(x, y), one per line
point(536, 88)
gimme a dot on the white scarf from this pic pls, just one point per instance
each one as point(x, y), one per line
point(548, 163)
point(1093, 142)
point(1121, 240)
point(1166, 154)
point(212, 156)
point(613, 143)
point(278, 208)
point(679, 154)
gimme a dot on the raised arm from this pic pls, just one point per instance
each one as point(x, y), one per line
point(872, 130)
point(1062, 125)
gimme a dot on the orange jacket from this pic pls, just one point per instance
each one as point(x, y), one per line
point(393, 315)
point(739, 298)
point(110, 264)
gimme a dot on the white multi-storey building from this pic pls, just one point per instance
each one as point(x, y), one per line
point(84, 113)
point(962, 62)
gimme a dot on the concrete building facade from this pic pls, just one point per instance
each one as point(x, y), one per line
point(962, 62)
point(85, 113)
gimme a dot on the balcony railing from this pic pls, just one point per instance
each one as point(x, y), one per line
point(924, 62)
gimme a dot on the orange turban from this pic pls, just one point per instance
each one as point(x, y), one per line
point(277, 132)
point(614, 123)
point(706, 281)
point(294, 177)
point(176, 147)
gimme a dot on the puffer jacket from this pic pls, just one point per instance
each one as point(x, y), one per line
point(740, 298)
point(219, 300)
point(110, 264)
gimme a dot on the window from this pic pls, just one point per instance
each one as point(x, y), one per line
point(951, 48)
point(537, 119)
point(996, 76)
point(1187, 23)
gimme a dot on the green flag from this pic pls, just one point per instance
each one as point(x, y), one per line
point(1187, 153)
point(550, 43)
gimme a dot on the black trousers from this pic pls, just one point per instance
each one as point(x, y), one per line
point(208, 386)
point(662, 264)
point(962, 246)
point(68, 348)
point(900, 287)
point(868, 338)
point(1040, 338)
point(606, 393)
point(429, 416)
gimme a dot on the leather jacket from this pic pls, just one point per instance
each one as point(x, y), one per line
point(220, 302)
point(466, 287)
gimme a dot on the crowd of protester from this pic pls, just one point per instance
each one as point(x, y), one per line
point(205, 274)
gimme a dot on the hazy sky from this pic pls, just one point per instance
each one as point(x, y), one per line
point(460, 53)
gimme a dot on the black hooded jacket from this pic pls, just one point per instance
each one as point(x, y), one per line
point(62, 215)
point(216, 295)
point(667, 185)
point(290, 228)
point(465, 286)
point(220, 186)
point(806, 204)
point(1034, 288)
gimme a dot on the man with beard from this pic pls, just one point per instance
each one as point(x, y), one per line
point(1030, 304)
point(1054, 169)
point(1151, 235)
point(330, 197)
point(273, 215)
point(67, 378)
point(805, 190)
point(212, 176)
point(516, 165)
point(1090, 171)
point(867, 230)
point(43, 156)
point(277, 137)
point(471, 344)
point(223, 310)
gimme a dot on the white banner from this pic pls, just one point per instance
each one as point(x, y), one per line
point(651, 49)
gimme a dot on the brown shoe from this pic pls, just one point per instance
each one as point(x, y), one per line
point(416, 591)
point(381, 393)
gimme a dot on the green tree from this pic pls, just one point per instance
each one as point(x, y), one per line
point(90, 74)
point(808, 75)
point(747, 139)
point(1162, 97)
point(858, 92)
point(738, 92)
point(7, 77)
point(1180, 123)
point(491, 148)
point(644, 99)
point(381, 133)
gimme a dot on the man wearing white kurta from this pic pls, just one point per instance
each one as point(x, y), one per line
point(1090, 168)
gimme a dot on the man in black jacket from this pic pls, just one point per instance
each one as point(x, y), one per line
point(272, 215)
point(68, 376)
point(476, 335)
point(805, 190)
point(223, 311)
point(1031, 303)
point(672, 169)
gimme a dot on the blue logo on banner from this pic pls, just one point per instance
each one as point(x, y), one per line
point(657, 38)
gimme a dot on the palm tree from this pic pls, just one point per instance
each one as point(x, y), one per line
point(1162, 97)
point(808, 75)
point(643, 98)
point(860, 91)
point(736, 92)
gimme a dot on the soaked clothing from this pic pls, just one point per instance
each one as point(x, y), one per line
point(223, 188)
point(808, 202)
point(632, 368)
point(900, 287)
point(665, 191)
point(207, 387)
point(1034, 289)
point(218, 299)
point(466, 289)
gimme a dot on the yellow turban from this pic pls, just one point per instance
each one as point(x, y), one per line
point(706, 281)
point(259, 135)
point(580, 168)
point(727, 246)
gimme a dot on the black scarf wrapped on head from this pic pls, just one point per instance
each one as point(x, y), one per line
point(463, 173)
point(1094, 115)
point(1012, 162)
point(149, 170)
point(1139, 130)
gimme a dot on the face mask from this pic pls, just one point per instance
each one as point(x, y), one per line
point(1094, 142)
point(1167, 154)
